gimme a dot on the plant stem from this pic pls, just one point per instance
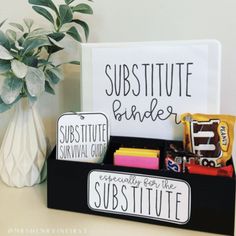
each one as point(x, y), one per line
point(49, 55)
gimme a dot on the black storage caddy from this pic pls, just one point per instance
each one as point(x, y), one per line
point(211, 200)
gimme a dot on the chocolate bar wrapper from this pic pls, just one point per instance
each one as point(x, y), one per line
point(210, 137)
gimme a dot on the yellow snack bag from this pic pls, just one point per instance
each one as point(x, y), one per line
point(209, 136)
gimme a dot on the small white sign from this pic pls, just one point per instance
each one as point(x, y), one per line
point(158, 198)
point(82, 137)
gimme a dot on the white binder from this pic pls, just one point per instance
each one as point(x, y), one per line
point(144, 87)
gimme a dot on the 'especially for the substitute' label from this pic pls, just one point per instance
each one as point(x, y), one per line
point(157, 198)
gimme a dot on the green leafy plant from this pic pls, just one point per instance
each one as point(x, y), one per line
point(25, 51)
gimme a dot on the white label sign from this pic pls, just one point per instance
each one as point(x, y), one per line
point(82, 137)
point(157, 198)
point(146, 88)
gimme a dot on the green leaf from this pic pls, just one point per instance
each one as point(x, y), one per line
point(54, 39)
point(17, 45)
point(5, 54)
point(56, 43)
point(19, 68)
point(83, 8)
point(45, 3)
point(32, 99)
point(48, 88)
point(45, 13)
point(18, 26)
point(54, 75)
point(84, 25)
point(11, 34)
point(69, 62)
point(74, 34)
point(11, 89)
point(2, 23)
point(68, 2)
point(33, 43)
point(31, 61)
point(4, 41)
point(56, 46)
point(43, 62)
point(35, 81)
point(54, 49)
point(4, 107)
point(5, 66)
point(66, 15)
point(74, 62)
point(20, 40)
point(58, 36)
point(38, 33)
point(58, 22)
point(29, 23)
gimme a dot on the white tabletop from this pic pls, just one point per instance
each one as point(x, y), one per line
point(24, 212)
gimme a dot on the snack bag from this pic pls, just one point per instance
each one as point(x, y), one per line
point(210, 137)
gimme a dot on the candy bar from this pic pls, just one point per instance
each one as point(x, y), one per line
point(205, 170)
point(210, 137)
point(176, 158)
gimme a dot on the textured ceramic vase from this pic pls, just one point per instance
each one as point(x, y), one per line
point(24, 148)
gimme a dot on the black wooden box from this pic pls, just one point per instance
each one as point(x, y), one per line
point(196, 202)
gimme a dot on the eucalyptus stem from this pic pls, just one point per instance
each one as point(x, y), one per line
point(47, 60)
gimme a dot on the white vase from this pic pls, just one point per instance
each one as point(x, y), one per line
point(24, 148)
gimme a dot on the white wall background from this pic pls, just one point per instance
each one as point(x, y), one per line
point(139, 20)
